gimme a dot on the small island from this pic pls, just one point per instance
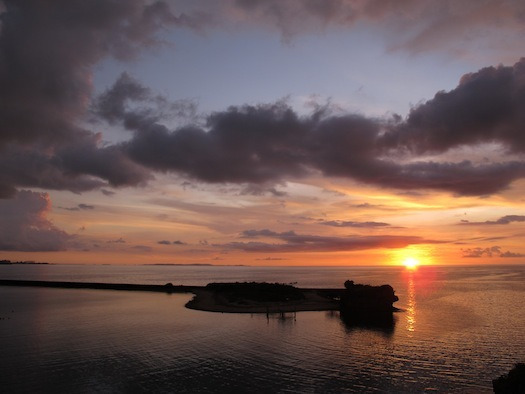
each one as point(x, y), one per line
point(361, 301)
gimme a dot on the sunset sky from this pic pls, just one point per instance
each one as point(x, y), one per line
point(262, 132)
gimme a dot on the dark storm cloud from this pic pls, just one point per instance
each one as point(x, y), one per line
point(269, 143)
point(34, 167)
point(47, 50)
point(290, 241)
point(24, 226)
point(86, 157)
point(502, 220)
point(78, 166)
point(47, 53)
point(264, 144)
point(348, 223)
point(487, 106)
point(241, 145)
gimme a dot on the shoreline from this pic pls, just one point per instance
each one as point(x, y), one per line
point(204, 299)
point(167, 288)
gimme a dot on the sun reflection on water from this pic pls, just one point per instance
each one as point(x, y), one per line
point(411, 308)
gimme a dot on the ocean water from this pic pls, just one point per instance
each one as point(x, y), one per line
point(459, 328)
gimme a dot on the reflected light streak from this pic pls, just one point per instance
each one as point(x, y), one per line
point(411, 309)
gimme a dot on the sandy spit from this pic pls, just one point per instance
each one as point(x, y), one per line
point(205, 300)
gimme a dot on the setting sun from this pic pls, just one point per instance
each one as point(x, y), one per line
point(411, 263)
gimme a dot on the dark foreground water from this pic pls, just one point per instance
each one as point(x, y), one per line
point(460, 328)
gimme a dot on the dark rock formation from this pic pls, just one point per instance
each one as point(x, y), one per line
point(513, 382)
point(368, 306)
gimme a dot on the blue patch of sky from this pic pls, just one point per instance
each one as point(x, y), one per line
point(236, 67)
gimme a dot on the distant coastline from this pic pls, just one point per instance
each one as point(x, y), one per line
point(9, 262)
point(196, 265)
point(29, 262)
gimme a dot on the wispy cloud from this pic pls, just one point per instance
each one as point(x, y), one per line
point(166, 242)
point(493, 251)
point(502, 220)
point(117, 241)
point(290, 241)
point(79, 207)
point(346, 223)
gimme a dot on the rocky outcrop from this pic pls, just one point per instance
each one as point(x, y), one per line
point(365, 305)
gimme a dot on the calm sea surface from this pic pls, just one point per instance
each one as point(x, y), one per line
point(460, 327)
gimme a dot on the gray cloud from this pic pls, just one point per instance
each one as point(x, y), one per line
point(486, 106)
point(47, 51)
point(502, 220)
point(511, 254)
point(290, 241)
point(481, 252)
point(347, 223)
point(47, 54)
point(117, 241)
point(142, 248)
point(129, 101)
point(25, 227)
point(166, 242)
point(268, 143)
point(493, 251)
point(413, 25)
point(79, 207)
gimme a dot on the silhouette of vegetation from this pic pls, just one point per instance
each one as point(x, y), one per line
point(258, 292)
point(513, 382)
